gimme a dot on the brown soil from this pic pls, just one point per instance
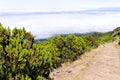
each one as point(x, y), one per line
point(102, 63)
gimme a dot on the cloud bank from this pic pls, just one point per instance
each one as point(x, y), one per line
point(46, 24)
point(91, 12)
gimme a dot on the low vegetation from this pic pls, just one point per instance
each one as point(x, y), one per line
point(21, 58)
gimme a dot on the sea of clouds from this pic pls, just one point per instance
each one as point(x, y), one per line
point(47, 24)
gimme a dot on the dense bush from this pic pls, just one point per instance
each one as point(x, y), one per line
point(92, 41)
point(22, 59)
point(69, 47)
point(106, 38)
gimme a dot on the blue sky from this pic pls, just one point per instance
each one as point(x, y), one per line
point(45, 18)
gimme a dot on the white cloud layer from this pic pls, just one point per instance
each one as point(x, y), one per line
point(49, 24)
point(92, 16)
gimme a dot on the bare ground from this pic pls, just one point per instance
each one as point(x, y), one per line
point(102, 63)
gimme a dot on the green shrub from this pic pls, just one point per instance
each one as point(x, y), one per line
point(22, 59)
point(106, 38)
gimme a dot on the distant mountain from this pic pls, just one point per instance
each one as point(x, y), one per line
point(77, 34)
point(112, 33)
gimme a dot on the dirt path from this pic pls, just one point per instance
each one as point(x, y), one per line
point(105, 66)
point(102, 63)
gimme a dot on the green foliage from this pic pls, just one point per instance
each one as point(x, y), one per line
point(22, 59)
point(43, 58)
point(40, 78)
point(91, 41)
point(70, 47)
point(106, 38)
point(74, 46)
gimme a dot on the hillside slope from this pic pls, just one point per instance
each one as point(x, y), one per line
point(102, 63)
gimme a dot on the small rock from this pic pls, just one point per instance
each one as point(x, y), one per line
point(68, 71)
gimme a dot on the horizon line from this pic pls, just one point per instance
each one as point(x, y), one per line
point(92, 11)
